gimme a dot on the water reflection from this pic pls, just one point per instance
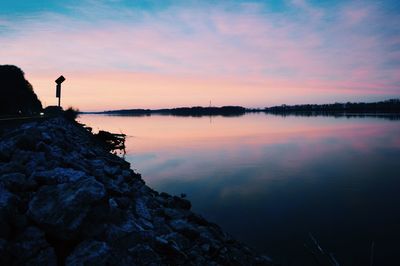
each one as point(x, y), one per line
point(270, 180)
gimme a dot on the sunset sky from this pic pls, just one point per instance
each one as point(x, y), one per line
point(154, 54)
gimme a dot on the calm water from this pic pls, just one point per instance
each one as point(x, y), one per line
point(271, 180)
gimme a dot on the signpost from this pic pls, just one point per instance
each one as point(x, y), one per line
point(60, 80)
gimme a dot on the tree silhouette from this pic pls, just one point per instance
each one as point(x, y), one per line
point(16, 93)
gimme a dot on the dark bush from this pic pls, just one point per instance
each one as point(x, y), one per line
point(16, 93)
point(53, 110)
point(71, 113)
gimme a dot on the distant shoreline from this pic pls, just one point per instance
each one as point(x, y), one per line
point(389, 107)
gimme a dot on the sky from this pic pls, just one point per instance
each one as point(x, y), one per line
point(118, 54)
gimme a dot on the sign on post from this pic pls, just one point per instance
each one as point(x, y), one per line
point(60, 80)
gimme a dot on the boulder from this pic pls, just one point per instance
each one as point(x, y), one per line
point(26, 142)
point(12, 167)
point(58, 175)
point(141, 209)
point(97, 253)
point(127, 226)
point(31, 247)
point(89, 252)
point(8, 207)
point(60, 209)
point(115, 187)
point(182, 203)
point(145, 255)
point(179, 240)
point(17, 182)
point(185, 228)
point(173, 214)
point(5, 257)
point(6, 148)
point(166, 247)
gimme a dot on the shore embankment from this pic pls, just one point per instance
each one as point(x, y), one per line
point(66, 200)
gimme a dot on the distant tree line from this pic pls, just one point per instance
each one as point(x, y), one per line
point(184, 111)
point(391, 106)
point(388, 106)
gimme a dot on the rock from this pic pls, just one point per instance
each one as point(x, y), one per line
point(26, 142)
point(114, 187)
point(75, 161)
point(20, 221)
point(127, 174)
point(207, 235)
point(5, 257)
point(141, 209)
point(30, 161)
point(112, 203)
point(41, 146)
point(30, 126)
point(61, 209)
point(197, 219)
point(145, 255)
point(168, 248)
point(197, 258)
point(58, 176)
point(123, 202)
point(7, 200)
point(44, 257)
point(121, 230)
point(6, 148)
point(179, 240)
point(184, 228)
point(165, 195)
point(8, 207)
point(55, 154)
point(12, 167)
point(37, 162)
point(111, 171)
point(145, 223)
point(32, 246)
point(182, 203)
point(160, 225)
point(205, 247)
point(89, 252)
point(17, 182)
point(174, 202)
point(46, 137)
point(173, 214)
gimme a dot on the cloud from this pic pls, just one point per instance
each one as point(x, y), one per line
point(304, 48)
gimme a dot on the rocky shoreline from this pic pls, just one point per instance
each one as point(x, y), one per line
point(65, 200)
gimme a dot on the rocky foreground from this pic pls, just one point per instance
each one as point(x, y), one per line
point(65, 200)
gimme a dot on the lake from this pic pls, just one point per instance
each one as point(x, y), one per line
point(271, 181)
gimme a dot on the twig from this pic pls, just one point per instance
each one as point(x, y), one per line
point(333, 259)
point(316, 244)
